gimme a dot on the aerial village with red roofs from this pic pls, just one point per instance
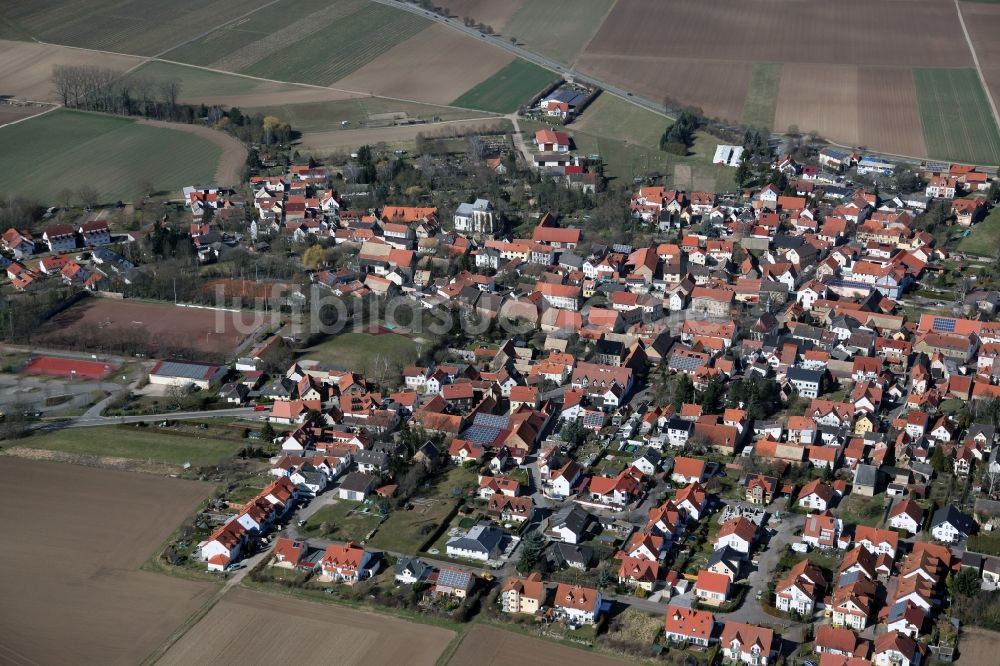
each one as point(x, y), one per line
point(764, 421)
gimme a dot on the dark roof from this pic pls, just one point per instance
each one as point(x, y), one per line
point(564, 554)
point(949, 514)
point(574, 517)
point(799, 374)
point(357, 481)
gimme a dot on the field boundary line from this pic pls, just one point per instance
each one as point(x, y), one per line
point(979, 69)
point(218, 27)
point(51, 108)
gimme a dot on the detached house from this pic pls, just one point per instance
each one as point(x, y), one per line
point(347, 563)
point(577, 604)
point(800, 589)
point(747, 643)
point(685, 625)
point(523, 595)
point(906, 515)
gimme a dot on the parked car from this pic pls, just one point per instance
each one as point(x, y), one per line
point(260, 408)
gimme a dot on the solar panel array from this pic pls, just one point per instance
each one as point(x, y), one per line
point(498, 421)
point(481, 434)
point(186, 370)
point(944, 324)
point(453, 578)
point(686, 362)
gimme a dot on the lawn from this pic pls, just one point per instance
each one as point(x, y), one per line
point(987, 544)
point(347, 520)
point(69, 149)
point(340, 48)
point(956, 117)
point(135, 443)
point(141, 27)
point(984, 239)
point(762, 97)
point(560, 29)
point(508, 89)
point(860, 510)
point(357, 351)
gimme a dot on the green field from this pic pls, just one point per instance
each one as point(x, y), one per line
point(508, 89)
point(762, 97)
point(325, 116)
point(69, 149)
point(559, 29)
point(356, 351)
point(612, 117)
point(984, 239)
point(197, 82)
point(346, 518)
point(149, 444)
point(332, 53)
point(956, 117)
point(140, 27)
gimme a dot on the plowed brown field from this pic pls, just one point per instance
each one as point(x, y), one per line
point(888, 117)
point(253, 628)
point(26, 67)
point(74, 539)
point(490, 646)
point(819, 98)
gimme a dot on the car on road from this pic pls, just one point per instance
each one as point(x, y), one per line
point(259, 408)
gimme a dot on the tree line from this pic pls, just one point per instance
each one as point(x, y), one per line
point(92, 88)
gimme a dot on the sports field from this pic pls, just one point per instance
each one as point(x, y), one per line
point(762, 97)
point(141, 27)
point(984, 239)
point(74, 540)
point(559, 29)
point(956, 117)
point(148, 444)
point(509, 88)
point(68, 149)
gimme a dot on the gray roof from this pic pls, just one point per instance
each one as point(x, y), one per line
point(949, 514)
point(866, 475)
point(728, 556)
point(469, 208)
point(185, 370)
point(414, 565)
point(574, 517)
point(357, 481)
point(481, 538)
point(798, 374)
point(563, 554)
point(455, 579)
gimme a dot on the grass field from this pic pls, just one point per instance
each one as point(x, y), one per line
point(956, 117)
point(135, 444)
point(197, 82)
point(509, 88)
point(762, 97)
point(69, 149)
point(559, 29)
point(357, 112)
point(344, 46)
point(984, 239)
point(861, 510)
point(139, 27)
point(355, 351)
point(348, 522)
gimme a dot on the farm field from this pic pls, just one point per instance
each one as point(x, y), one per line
point(358, 350)
point(252, 627)
point(977, 646)
point(359, 113)
point(956, 117)
point(130, 443)
point(819, 98)
point(509, 88)
point(559, 29)
point(66, 149)
point(162, 329)
point(611, 116)
point(76, 577)
point(983, 23)
point(10, 113)
point(492, 13)
point(26, 67)
point(888, 114)
point(483, 645)
point(762, 96)
point(203, 86)
point(132, 26)
point(332, 53)
point(984, 239)
point(434, 66)
point(402, 137)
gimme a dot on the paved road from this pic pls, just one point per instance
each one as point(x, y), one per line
point(94, 421)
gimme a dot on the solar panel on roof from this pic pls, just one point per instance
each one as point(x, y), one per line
point(944, 324)
point(452, 578)
point(186, 370)
point(481, 434)
point(498, 421)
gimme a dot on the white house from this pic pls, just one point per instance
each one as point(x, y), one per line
point(577, 604)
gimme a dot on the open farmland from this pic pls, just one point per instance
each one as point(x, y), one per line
point(491, 646)
point(154, 328)
point(140, 27)
point(492, 13)
point(252, 627)
point(360, 112)
point(821, 99)
point(435, 66)
point(71, 559)
point(956, 117)
point(67, 149)
point(344, 46)
point(976, 646)
point(559, 29)
point(508, 89)
point(982, 20)
point(204, 86)
point(762, 96)
point(888, 115)
point(404, 137)
point(26, 67)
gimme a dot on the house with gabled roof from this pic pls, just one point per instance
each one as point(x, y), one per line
point(523, 595)
point(800, 589)
point(686, 625)
point(577, 604)
point(748, 643)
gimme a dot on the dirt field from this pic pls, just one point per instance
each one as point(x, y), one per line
point(338, 140)
point(983, 23)
point(97, 323)
point(434, 66)
point(976, 645)
point(819, 98)
point(489, 646)
point(888, 116)
point(11, 114)
point(925, 33)
point(719, 88)
point(251, 627)
point(26, 67)
point(71, 561)
point(490, 12)
point(234, 153)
